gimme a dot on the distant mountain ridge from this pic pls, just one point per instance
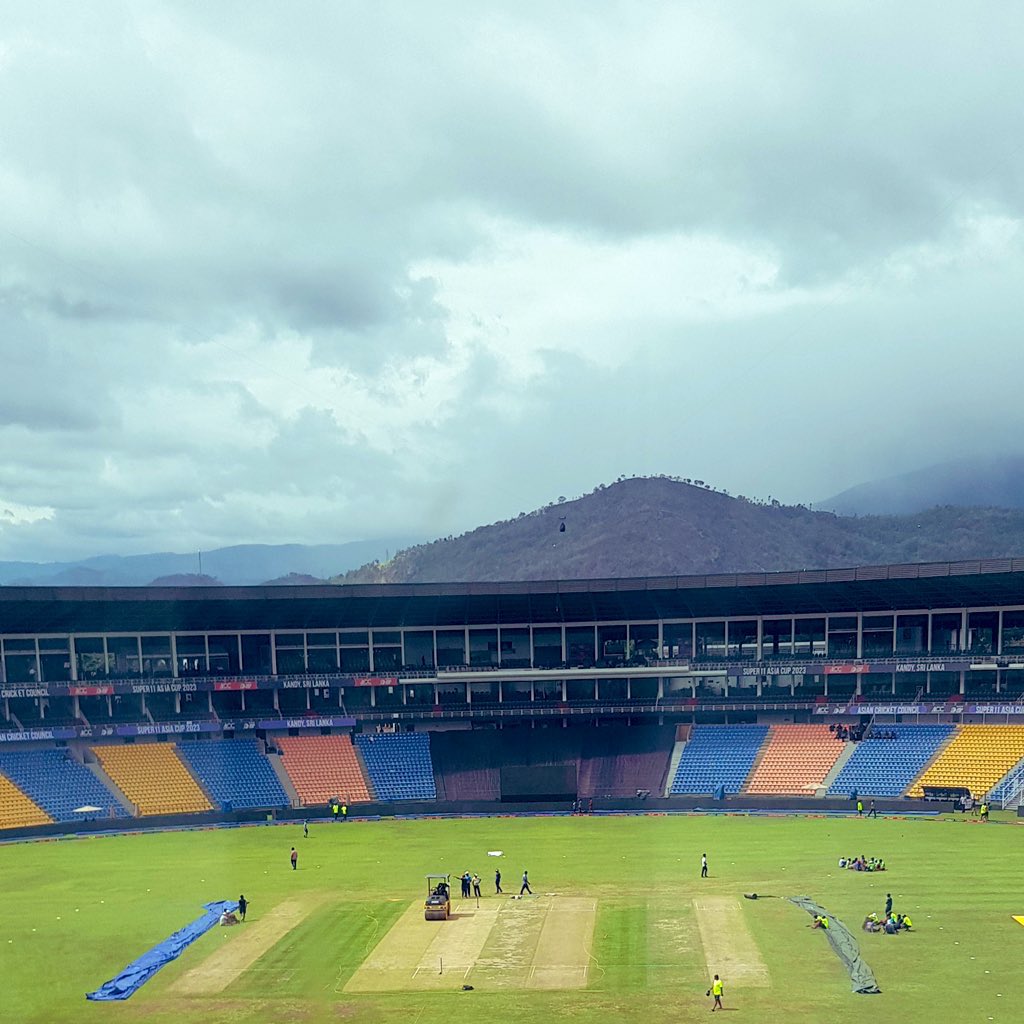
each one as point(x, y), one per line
point(239, 565)
point(966, 483)
point(661, 526)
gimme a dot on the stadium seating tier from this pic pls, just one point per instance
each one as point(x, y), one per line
point(324, 767)
point(234, 772)
point(398, 764)
point(58, 783)
point(976, 759)
point(795, 760)
point(153, 778)
point(16, 809)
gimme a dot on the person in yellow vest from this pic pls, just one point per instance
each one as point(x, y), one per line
point(716, 991)
point(860, 808)
point(344, 811)
point(984, 811)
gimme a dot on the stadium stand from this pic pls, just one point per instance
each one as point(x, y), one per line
point(466, 764)
point(398, 765)
point(16, 809)
point(58, 783)
point(153, 778)
point(887, 767)
point(623, 762)
point(976, 759)
point(234, 772)
point(323, 767)
point(718, 755)
point(795, 760)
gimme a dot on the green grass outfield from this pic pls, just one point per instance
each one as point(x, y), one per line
point(76, 911)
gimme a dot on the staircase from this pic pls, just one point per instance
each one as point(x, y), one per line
point(938, 753)
point(1009, 790)
point(282, 777)
point(673, 764)
point(849, 749)
point(115, 794)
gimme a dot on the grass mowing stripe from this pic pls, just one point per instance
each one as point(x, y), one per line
point(322, 953)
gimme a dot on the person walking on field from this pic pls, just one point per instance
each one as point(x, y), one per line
point(872, 810)
point(703, 865)
point(295, 859)
point(243, 906)
point(716, 991)
point(497, 882)
point(526, 884)
point(860, 808)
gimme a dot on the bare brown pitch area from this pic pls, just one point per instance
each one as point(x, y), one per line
point(246, 945)
point(563, 949)
point(542, 943)
point(729, 948)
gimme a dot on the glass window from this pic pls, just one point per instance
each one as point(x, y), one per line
point(224, 654)
point(777, 638)
point(743, 639)
point(90, 658)
point(711, 640)
point(483, 647)
point(547, 647)
point(809, 637)
point(981, 632)
point(946, 633)
point(515, 647)
point(124, 655)
point(1013, 633)
point(419, 649)
point(911, 634)
point(579, 645)
point(451, 647)
point(321, 639)
point(677, 640)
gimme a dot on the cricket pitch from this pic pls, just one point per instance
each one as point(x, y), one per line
point(540, 943)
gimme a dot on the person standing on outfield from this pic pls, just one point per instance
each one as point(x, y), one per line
point(243, 906)
point(335, 809)
point(526, 884)
point(872, 810)
point(497, 882)
point(476, 886)
point(860, 808)
point(305, 829)
point(294, 859)
point(344, 811)
point(703, 865)
point(716, 990)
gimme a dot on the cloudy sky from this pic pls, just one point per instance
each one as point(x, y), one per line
point(322, 271)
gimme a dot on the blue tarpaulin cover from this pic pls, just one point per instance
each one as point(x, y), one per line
point(137, 973)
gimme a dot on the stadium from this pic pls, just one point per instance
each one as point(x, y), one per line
point(601, 735)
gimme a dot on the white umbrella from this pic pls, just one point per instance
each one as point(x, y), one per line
point(87, 809)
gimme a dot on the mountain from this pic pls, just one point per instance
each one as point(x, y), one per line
point(660, 526)
point(233, 566)
point(968, 483)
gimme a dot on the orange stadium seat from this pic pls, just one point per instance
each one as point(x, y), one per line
point(322, 767)
point(794, 760)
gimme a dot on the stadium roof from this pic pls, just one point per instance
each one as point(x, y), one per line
point(993, 582)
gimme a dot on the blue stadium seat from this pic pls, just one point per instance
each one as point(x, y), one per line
point(888, 767)
point(58, 783)
point(398, 764)
point(718, 755)
point(234, 772)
